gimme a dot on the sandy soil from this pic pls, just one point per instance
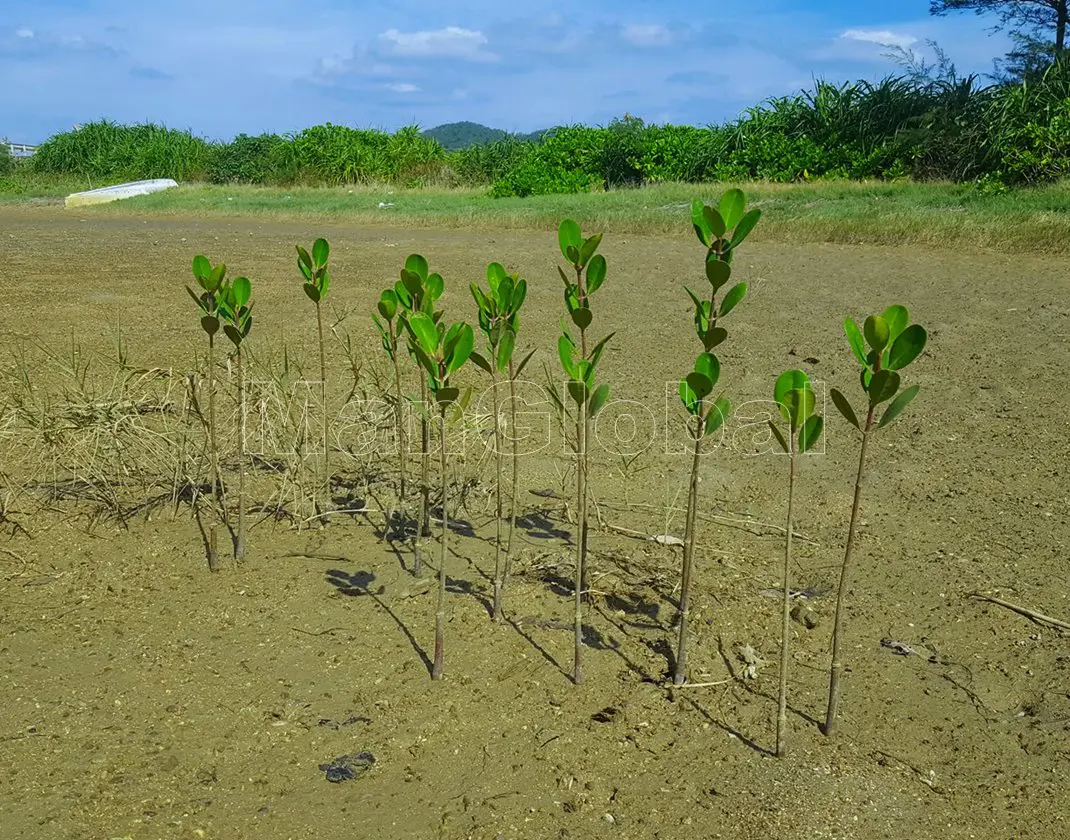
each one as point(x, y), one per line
point(143, 697)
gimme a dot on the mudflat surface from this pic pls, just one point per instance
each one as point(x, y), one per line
point(143, 697)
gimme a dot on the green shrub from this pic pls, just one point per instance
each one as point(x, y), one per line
point(7, 162)
point(248, 160)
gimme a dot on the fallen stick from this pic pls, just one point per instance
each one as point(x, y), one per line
point(1028, 613)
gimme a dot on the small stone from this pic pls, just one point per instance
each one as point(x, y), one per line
point(609, 818)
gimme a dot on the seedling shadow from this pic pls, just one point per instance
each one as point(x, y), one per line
point(357, 584)
point(538, 525)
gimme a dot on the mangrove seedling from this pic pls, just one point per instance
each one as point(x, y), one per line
point(390, 328)
point(588, 273)
point(210, 279)
point(237, 315)
point(441, 353)
point(317, 282)
point(883, 347)
point(721, 230)
point(417, 291)
point(795, 398)
point(499, 305)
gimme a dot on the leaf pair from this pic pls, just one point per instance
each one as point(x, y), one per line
point(418, 289)
point(440, 351)
point(589, 268)
point(314, 269)
point(795, 398)
point(499, 307)
point(699, 384)
point(210, 278)
point(723, 228)
point(235, 309)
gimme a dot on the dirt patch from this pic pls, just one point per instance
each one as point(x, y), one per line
point(145, 698)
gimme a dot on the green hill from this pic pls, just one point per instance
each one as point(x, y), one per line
point(461, 135)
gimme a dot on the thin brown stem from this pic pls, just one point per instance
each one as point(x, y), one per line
point(440, 612)
point(239, 542)
point(498, 565)
point(785, 623)
point(680, 674)
point(836, 671)
point(399, 421)
point(581, 498)
point(217, 500)
point(516, 474)
point(325, 481)
point(424, 525)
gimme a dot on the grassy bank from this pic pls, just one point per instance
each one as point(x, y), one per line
point(946, 215)
point(949, 215)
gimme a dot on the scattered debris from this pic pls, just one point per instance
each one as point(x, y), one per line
point(804, 615)
point(752, 660)
point(347, 767)
point(338, 724)
point(606, 715)
point(667, 539)
point(899, 648)
point(383, 205)
point(808, 594)
point(1028, 613)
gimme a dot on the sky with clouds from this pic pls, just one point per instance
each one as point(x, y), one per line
point(222, 67)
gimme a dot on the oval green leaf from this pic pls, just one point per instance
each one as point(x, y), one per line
point(717, 271)
point(876, 331)
point(733, 298)
point(907, 347)
point(569, 236)
point(897, 406)
point(731, 207)
point(841, 403)
point(810, 433)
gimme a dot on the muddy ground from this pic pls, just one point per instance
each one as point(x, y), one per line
point(143, 697)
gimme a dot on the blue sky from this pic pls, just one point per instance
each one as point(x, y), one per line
point(221, 67)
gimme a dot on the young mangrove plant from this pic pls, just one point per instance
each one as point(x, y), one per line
point(795, 398)
point(580, 362)
point(417, 291)
point(499, 306)
point(390, 328)
point(317, 277)
point(721, 230)
point(892, 345)
point(441, 353)
point(210, 280)
point(236, 311)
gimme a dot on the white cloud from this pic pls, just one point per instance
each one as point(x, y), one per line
point(883, 37)
point(24, 33)
point(647, 35)
point(403, 87)
point(450, 42)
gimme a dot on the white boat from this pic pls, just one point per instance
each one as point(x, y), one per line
point(106, 194)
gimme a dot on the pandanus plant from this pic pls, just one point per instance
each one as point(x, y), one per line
point(883, 347)
point(210, 279)
point(417, 291)
point(721, 230)
point(236, 311)
point(499, 307)
point(795, 398)
point(317, 282)
point(441, 352)
point(580, 363)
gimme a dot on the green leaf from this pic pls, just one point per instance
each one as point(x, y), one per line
point(590, 246)
point(425, 331)
point(779, 435)
point(714, 221)
point(897, 318)
point(321, 251)
point(582, 317)
point(233, 334)
point(416, 264)
point(445, 396)
point(210, 324)
point(506, 345)
point(524, 363)
point(714, 337)
point(810, 433)
point(709, 366)
point(304, 261)
point(565, 349)
point(199, 299)
point(481, 299)
point(242, 290)
point(578, 391)
point(688, 398)
point(841, 402)
point(312, 292)
point(435, 286)
point(461, 350)
point(413, 283)
point(717, 271)
point(898, 404)
point(596, 274)
point(731, 207)
point(798, 405)
point(788, 381)
point(388, 304)
point(701, 223)
point(569, 236)
point(428, 364)
point(598, 399)
point(733, 298)
point(216, 277)
point(718, 415)
point(876, 331)
point(700, 384)
point(202, 268)
point(745, 226)
point(883, 386)
point(520, 293)
point(504, 294)
point(907, 347)
point(854, 338)
point(481, 361)
point(596, 354)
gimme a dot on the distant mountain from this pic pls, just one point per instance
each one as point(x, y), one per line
point(461, 135)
